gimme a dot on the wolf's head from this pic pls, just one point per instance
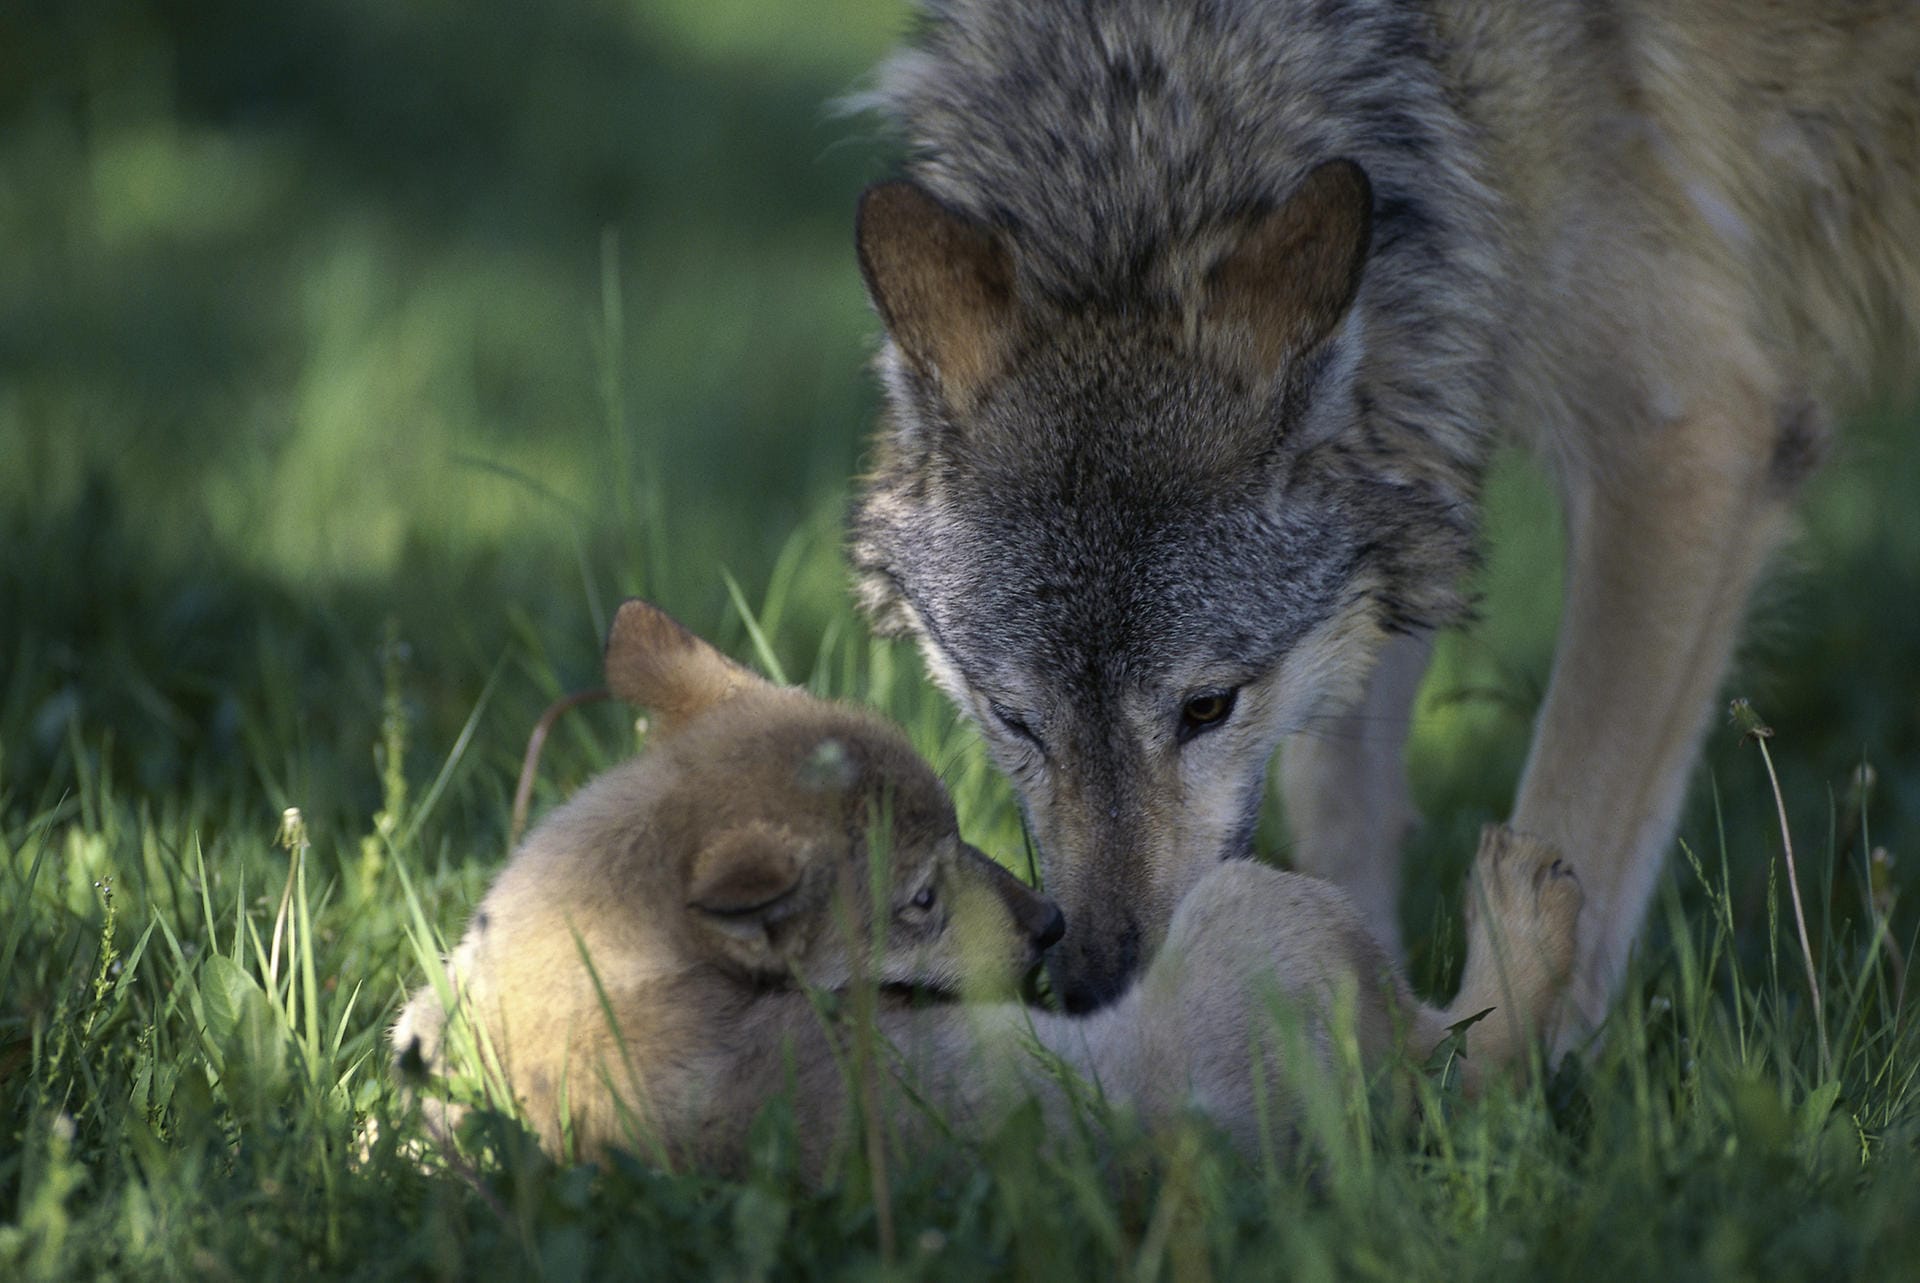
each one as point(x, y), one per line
point(1145, 530)
point(815, 844)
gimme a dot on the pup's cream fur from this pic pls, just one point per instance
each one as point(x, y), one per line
point(673, 947)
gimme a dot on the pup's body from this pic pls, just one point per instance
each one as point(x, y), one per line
point(711, 879)
point(1204, 318)
point(1250, 943)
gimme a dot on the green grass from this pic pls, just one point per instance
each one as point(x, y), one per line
point(355, 358)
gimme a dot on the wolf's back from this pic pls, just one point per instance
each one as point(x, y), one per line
point(1795, 127)
point(1756, 162)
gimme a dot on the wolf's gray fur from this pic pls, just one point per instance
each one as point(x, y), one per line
point(1122, 147)
point(1655, 240)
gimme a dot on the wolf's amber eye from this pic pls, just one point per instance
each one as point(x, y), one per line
point(924, 900)
point(1205, 711)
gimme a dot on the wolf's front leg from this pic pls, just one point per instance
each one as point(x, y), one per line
point(1667, 534)
point(1344, 783)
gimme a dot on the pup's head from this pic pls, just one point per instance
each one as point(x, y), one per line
point(811, 841)
point(1144, 530)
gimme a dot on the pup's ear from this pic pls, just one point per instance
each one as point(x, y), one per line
point(943, 285)
point(1288, 282)
point(746, 876)
point(654, 662)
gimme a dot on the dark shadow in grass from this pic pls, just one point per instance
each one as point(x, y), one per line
point(513, 131)
point(527, 118)
point(202, 685)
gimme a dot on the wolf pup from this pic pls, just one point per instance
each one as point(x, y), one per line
point(638, 976)
point(1202, 319)
point(635, 970)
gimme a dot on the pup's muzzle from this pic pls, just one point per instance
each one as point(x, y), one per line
point(1036, 918)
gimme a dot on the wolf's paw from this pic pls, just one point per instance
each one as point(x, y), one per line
point(1529, 896)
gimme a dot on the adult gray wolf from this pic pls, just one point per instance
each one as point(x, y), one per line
point(661, 956)
point(1202, 319)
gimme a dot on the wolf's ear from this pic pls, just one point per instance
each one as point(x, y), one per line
point(745, 877)
point(943, 285)
point(1283, 288)
point(652, 661)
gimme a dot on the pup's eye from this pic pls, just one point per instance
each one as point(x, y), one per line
point(924, 900)
point(1205, 711)
point(1012, 721)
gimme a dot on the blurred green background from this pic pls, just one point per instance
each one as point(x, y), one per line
point(324, 322)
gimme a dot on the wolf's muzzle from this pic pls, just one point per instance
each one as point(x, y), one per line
point(1088, 977)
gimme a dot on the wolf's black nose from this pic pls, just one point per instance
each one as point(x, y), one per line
point(1055, 927)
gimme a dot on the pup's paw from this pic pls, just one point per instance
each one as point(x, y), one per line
point(1530, 897)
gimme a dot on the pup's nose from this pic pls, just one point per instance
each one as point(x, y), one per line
point(1051, 931)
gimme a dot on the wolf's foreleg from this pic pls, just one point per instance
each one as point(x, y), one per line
point(1344, 782)
point(1667, 533)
